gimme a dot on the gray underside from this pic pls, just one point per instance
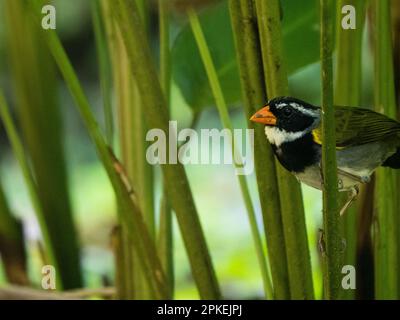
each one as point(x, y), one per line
point(355, 165)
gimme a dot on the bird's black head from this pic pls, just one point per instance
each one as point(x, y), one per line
point(288, 114)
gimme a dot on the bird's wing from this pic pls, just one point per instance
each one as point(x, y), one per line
point(355, 126)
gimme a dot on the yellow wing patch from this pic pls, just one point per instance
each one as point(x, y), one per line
point(317, 137)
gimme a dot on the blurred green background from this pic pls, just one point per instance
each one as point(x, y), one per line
point(215, 187)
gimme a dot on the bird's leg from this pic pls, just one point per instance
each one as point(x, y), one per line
point(353, 195)
point(364, 179)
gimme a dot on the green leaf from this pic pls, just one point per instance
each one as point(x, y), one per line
point(301, 40)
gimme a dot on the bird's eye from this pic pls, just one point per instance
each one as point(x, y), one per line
point(287, 111)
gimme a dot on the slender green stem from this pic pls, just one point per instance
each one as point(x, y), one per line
point(141, 63)
point(244, 24)
point(104, 70)
point(295, 231)
point(19, 153)
point(226, 122)
point(332, 238)
point(123, 87)
point(165, 54)
point(165, 236)
point(386, 228)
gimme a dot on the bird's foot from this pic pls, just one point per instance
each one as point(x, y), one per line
point(353, 195)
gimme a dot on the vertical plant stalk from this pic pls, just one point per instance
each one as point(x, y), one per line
point(244, 25)
point(132, 133)
point(332, 257)
point(19, 153)
point(348, 93)
point(165, 235)
point(34, 82)
point(123, 85)
point(226, 122)
point(150, 90)
point(104, 69)
point(386, 227)
point(142, 174)
point(294, 225)
point(12, 245)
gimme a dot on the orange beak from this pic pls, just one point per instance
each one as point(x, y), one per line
point(264, 116)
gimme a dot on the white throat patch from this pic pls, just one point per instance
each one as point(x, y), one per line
point(278, 136)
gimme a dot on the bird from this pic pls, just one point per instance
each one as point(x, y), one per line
point(365, 140)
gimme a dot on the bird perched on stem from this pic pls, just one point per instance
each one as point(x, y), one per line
point(365, 140)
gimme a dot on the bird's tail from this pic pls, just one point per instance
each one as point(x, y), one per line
point(393, 161)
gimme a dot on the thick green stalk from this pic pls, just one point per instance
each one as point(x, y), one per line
point(142, 175)
point(165, 235)
point(332, 238)
point(130, 213)
point(133, 144)
point(123, 249)
point(348, 93)
point(19, 153)
point(141, 63)
point(386, 228)
point(349, 55)
point(34, 83)
point(12, 246)
point(294, 226)
point(226, 122)
point(244, 25)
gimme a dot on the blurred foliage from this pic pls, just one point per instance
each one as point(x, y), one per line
point(301, 40)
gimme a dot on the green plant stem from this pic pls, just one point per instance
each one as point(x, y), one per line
point(19, 153)
point(226, 122)
point(165, 235)
point(123, 91)
point(297, 251)
point(130, 213)
point(348, 93)
point(332, 258)
point(104, 70)
point(244, 24)
point(349, 55)
point(386, 228)
point(140, 59)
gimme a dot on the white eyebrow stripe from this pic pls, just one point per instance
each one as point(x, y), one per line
point(299, 108)
point(307, 111)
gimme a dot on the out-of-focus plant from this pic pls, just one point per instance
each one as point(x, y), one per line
point(226, 122)
point(386, 224)
point(39, 116)
point(348, 93)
